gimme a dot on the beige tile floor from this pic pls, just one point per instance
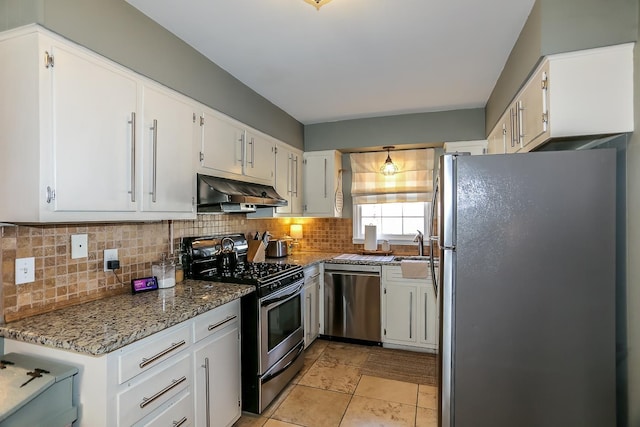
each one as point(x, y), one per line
point(330, 391)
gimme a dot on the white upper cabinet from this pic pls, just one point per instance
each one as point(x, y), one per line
point(168, 127)
point(230, 149)
point(259, 156)
point(74, 137)
point(322, 183)
point(588, 92)
point(288, 183)
point(93, 135)
point(221, 144)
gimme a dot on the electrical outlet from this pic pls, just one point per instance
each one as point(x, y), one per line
point(79, 246)
point(109, 255)
point(25, 270)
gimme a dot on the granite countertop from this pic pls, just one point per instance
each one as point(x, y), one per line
point(102, 326)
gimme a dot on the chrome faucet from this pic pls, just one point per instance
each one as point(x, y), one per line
point(420, 239)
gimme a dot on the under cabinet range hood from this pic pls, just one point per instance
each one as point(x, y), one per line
point(216, 195)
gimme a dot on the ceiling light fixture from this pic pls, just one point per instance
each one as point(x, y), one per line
point(388, 168)
point(317, 3)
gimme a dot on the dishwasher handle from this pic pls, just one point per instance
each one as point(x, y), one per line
point(352, 273)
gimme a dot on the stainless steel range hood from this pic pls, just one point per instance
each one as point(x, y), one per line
point(217, 195)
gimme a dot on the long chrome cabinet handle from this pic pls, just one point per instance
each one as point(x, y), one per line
point(425, 315)
point(410, 315)
point(325, 178)
point(154, 129)
point(207, 392)
point(290, 174)
point(179, 422)
point(295, 179)
point(174, 383)
point(222, 322)
point(133, 156)
point(251, 143)
point(152, 359)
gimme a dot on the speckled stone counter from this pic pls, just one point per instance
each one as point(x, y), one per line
point(102, 326)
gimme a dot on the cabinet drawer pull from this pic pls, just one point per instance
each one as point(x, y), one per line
point(410, 315)
point(222, 322)
point(174, 383)
point(152, 359)
point(180, 422)
point(425, 315)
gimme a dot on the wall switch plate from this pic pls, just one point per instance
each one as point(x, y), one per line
point(25, 270)
point(79, 246)
point(109, 255)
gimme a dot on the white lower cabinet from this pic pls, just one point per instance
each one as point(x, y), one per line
point(311, 304)
point(410, 311)
point(159, 380)
point(216, 363)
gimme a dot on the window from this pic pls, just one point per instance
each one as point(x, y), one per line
point(398, 205)
point(397, 222)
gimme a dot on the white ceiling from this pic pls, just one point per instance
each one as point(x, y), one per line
point(353, 58)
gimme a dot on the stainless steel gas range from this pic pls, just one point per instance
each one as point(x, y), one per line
point(271, 320)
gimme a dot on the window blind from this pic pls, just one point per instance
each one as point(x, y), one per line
point(412, 183)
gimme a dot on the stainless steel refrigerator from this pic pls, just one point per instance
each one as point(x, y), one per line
point(527, 289)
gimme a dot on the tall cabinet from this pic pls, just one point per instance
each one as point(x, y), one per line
point(323, 183)
point(288, 178)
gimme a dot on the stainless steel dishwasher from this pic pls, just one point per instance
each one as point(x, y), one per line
point(352, 301)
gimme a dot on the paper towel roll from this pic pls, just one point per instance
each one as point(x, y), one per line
point(370, 238)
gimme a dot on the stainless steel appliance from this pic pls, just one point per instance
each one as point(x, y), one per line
point(35, 392)
point(227, 195)
point(277, 249)
point(527, 289)
point(271, 318)
point(352, 302)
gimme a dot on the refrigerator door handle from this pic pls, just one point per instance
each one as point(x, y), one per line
point(432, 238)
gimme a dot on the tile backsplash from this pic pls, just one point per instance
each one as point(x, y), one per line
point(61, 281)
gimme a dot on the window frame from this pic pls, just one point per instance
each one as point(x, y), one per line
point(394, 239)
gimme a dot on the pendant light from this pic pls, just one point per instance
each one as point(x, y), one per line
point(388, 168)
point(317, 3)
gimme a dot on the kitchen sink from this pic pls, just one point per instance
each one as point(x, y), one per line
point(412, 258)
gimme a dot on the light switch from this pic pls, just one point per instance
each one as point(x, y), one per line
point(79, 246)
point(25, 270)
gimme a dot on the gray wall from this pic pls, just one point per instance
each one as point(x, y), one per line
point(429, 128)
point(120, 32)
point(561, 26)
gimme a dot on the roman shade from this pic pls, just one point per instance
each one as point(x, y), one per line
point(412, 183)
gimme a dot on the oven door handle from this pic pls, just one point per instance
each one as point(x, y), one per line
point(285, 367)
point(271, 301)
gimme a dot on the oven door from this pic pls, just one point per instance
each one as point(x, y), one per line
point(280, 324)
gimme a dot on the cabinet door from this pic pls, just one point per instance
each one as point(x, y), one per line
point(288, 178)
point(318, 194)
point(532, 108)
point(222, 144)
point(259, 158)
point(312, 309)
point(497, 138)
point(168, 127)
point(93, 134)
point(428, 319)
point(217, 379)
point(400, 313)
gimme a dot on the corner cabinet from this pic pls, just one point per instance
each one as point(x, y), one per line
point(410, 311)
point(188, 374)
point(230, 149)
point(569, 95)
point(323, 183)
point(74, 121)
point(311, 304)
